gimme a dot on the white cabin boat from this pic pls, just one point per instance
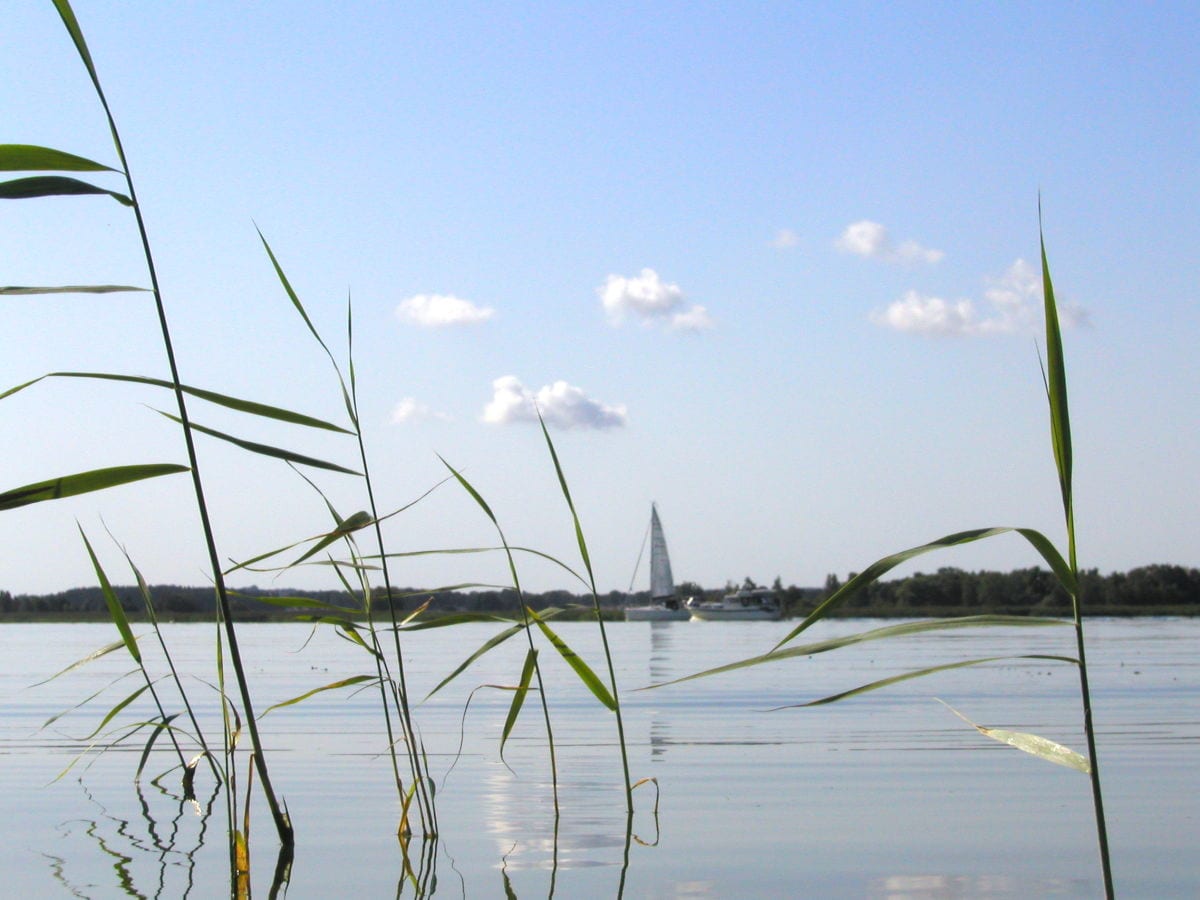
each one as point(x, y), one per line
point(664, 606)
point(745, 605)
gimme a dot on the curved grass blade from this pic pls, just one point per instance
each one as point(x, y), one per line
point(32, 158)
point(17, 290)
point(487, 645)
point(95, 654)
point(518, 699)
point(265, 449)
point(888, 631)
point(880, 567)
point(84, 483)
point(53, 186)
point(159, 728)
point(920, 673)
point(333, 686)
point(115, 610)
point(82, 703)
point(115, 710)
point(575, 661)
point(251, 407)
point(1035, 745)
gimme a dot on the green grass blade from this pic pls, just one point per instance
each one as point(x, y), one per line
point(904, 629)
point(265, 449)
point(1056, 385)
point(575, 661)
point(566, 492)
point(882, 566)
point(31, 158)
point(16, 290)
point(159, 728)
point(921, 673)
point(94, 655)
point(518, 700)
point(115, 610)
point(492, 642)
point(333, 686)
point(1033, 744)
point(53, 186)
point(84, 483)
point(117, 709)
point(76, 33)
point(250, 407)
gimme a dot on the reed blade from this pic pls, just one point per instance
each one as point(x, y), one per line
point(921, 673)
point(32, 158)
point(264, 449)
point(576, 662)
point(158, 729)
point(492, 642)
point(54, 186)
point(332, 686)
point(84, 483)
point(882, 566)
point(1033, 744)
point(904, 629)
point(115, 611)
point(17, 290)
point(518, 700)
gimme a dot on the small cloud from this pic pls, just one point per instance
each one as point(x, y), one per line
point(561, 404)
point(441, 310)
point(1013, 305)
point(872, 241)
point(785, 239)
point(651, 300)
point(409, 410)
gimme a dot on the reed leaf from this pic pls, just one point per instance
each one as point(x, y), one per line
point(31, 158)
point(115, 610)
point(82, 703)
point(920, 673)
point(54, 186)
point(264, 449)
point(492, 642)
point(518, 700)
point(17, 290)
point(575, 661)
point(332, 686)
point(1033, 744)
point(158, 729)
point(115, 710)
point(94, 655)
point(84, 483)
point(882, 566)
point(904, 629)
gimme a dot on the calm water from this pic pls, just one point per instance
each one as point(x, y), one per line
point(884, 795)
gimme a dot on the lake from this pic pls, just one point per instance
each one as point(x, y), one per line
point(884, 795)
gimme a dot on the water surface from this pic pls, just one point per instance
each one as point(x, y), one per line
point(883, 795)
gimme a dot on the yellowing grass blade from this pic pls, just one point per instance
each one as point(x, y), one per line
point(1035, 745)
point(345, 682)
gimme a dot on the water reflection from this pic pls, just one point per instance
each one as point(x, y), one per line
point(960, 887)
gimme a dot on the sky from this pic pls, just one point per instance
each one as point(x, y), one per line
point(772, 266)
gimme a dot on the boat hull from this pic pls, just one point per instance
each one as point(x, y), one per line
point(655, 614)
point(734, 615)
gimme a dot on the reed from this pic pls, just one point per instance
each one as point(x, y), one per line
point(1065, 569)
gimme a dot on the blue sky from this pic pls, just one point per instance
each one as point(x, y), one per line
point(770, 265)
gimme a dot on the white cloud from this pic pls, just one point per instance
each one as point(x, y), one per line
point(561, 404)
point(872, 241)
point(651, 300)
point(785, 239)
point(1013, 305)
point(409, 410)
point(440, 310)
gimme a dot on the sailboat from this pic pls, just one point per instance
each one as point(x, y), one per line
point(664, 606)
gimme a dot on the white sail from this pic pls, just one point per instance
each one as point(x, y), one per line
point(661, 583)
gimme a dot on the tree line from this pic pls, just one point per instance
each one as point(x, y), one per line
point(1147, 590)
